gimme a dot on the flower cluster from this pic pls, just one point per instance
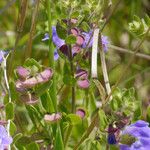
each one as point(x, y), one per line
point(26, 82)
point(84, 39)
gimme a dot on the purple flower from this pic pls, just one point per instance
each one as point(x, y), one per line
point(141, 132)
point(105, 43)
point(5, 140)
point(56, 55)
point(81, 112)
point(2, 54)
point(87, 36)
point(82, 41)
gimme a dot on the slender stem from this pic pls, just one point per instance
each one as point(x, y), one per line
point(69, 130)
point(51, 55)
point(87, 132)
point(136, 49)
point(32, 30)
point(104, 67)
point(20, 25)
point(123, 50)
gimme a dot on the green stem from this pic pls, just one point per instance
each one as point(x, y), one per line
point(88, 131)
point(68, 135)
point(51, 56)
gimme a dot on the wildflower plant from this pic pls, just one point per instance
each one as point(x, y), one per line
point(62, 85)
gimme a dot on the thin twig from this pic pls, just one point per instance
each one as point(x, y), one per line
point(104, 67)
point(9, 4)
point(123, 50)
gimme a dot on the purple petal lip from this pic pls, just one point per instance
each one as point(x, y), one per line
point(22, 72)
point(2, 54)
point(140, 123)
point(81, 73)
point(84, 84)
point(75, 31)
point(52, 117)
point(81, 113)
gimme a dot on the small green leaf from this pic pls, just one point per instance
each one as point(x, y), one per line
point(74, 119)
point(33, 146)
point(13, 128)
point(32, 62)
point(71, 39)
point(42, 88)
point(85, 26)
point(127, 139)
point(61, 31)
point(17, 137)
point(59, 145)
point(9, 111)
point(102, 119)
point(75, 14)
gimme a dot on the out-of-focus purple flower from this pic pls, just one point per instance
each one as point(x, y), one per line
point(56, 55)
point(105, 43)
point(111, 139)
point(2, 54)
point(46, 37)
point(82, 79)
point(87, 37)
point(81, 112)
point(141, 132)
point(5, 140)
point(22, 72)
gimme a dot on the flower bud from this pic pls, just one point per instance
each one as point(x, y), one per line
point(52, 118)
point(81, 112)
point(22, 73)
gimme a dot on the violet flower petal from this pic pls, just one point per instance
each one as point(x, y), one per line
point(4, 138)
point(84, 84)
point(87, 36)
point(2, 54)
point(57, 41)
point(56, 55)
